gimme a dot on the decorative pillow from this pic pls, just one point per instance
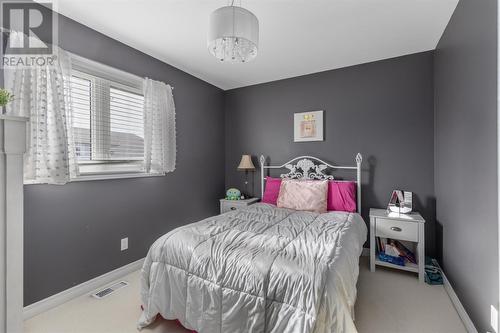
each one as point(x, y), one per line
point(342, 196)
point(310, 195)
point(272, 190)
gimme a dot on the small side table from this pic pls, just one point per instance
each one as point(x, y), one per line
point(406, 227)
point(228, 205)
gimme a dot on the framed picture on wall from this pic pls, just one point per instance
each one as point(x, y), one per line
point(308, 126)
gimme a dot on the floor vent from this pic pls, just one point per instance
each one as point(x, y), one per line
point(109, 290)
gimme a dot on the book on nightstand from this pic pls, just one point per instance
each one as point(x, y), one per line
point(391, 259)
point(394, 252)
point(404, 251)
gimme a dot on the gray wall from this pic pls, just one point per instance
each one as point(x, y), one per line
point(466, 156)
point(383, 110)
point(72, 232)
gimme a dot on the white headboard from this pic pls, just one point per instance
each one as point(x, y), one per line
point(309, 167)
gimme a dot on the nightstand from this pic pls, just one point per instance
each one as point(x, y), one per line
point(227, 205)
point(408, 228)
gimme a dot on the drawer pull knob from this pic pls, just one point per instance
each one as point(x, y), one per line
point(233, 208)
point(396, 229)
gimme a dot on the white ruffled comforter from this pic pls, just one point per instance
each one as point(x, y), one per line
point(260, 269)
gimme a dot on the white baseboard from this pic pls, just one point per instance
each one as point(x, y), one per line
point(469, 325)
point(79, 290)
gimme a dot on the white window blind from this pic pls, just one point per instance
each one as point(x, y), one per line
point(80, 96)
point(127, 125)
point(108, 125)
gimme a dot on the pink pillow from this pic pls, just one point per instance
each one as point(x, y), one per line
point(342, 196)
point(309, 195)
point(272, 190)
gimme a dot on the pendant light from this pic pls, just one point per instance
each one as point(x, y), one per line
point(233, 34)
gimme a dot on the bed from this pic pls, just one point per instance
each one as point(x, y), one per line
point(259, 269)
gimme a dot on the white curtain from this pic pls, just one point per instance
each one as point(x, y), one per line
point(159, 127)
point(42, 93)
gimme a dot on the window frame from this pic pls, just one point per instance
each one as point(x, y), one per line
point(118, 79)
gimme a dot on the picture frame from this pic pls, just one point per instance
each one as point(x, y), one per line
point(308, 126)
point(401, 202)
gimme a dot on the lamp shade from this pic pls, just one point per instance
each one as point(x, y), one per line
point(246, 163)
point(233, 34)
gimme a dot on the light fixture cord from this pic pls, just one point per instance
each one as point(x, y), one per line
point(233, 16)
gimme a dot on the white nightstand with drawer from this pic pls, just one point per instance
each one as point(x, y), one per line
point(402, 227)
point(228, 205)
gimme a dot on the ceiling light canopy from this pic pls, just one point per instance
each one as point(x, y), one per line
point(233, 34)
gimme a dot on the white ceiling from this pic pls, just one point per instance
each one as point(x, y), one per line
point(297, 37)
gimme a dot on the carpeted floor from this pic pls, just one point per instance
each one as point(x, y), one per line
point(388, 301)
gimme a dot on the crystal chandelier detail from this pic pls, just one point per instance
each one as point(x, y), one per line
point(233, 34)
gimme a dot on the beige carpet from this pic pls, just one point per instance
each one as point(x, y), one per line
point(388, 301)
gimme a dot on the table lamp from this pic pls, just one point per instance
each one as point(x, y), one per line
point(246, 165)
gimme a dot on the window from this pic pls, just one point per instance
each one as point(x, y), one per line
point(108, 125)
point(80, 96)
point(126, 125)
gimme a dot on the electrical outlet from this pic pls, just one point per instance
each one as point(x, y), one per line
point(494, 319)
point(124, 244)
